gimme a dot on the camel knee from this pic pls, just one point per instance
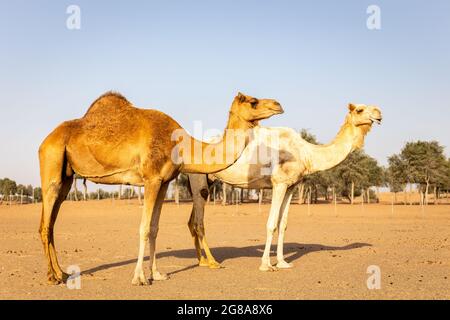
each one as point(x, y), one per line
point(204, 192)
point(45, 232)
point(271, 229)
point(144, 233)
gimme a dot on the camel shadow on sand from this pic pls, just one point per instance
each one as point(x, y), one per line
point(292, 252)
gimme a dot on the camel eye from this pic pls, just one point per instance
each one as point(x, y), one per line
point(359, 111)
point(254, 103)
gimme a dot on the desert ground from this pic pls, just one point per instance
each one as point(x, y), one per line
point(331, 251)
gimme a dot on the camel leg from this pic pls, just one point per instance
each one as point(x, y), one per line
point(150, 196)
point(198, 249)
point(65, 189)
point(278, 193)
point(282, 225)
point(55, 187)
point(154, 226)
point(200, 192)
point(212, 263)
point(53, 196)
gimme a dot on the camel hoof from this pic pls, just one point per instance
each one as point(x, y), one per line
point(203, 262)
point(284, 265)
point(214, 265)
point(63, 277)
point(267, 268)
point(140, 280)
point(53, 280)
point(157, 276)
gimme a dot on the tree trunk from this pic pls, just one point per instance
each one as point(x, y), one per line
point(224, 190)
point(378, 195)
point(368, 195)
point(435, 195)
point(98, 194)
point(75, 190)
point(392, 201)
point(352, 195)
point(316, 195)
point(120, 193)
point(21, 197)
point(426, 193)
point(176, 192)
point(405, 199)
point(335, 201)
point(214, 195)
point(410, 194)
point(301, 191)
point(140, 195)
point(309, 200)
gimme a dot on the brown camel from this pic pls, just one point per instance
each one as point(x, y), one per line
point(117, 143)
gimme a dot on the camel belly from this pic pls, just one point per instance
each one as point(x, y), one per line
point(128, 178)
point(245, 176)
point(121, 167)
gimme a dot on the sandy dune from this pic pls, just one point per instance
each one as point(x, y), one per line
point(331, 252)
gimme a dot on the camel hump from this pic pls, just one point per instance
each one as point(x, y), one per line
point(110, 99)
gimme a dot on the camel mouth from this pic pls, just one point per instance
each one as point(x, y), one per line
point(377, 120)
point(276, 108)
point(279, 110)
point(269, 112)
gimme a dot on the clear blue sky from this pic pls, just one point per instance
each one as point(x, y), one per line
point(189, 59)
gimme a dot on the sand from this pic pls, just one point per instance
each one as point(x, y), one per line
point(331, 252)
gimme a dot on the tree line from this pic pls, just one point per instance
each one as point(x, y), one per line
point(11, 191)
point(421, 165)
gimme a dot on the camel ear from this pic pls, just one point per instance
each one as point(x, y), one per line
point(240, 97)
point(351, 107)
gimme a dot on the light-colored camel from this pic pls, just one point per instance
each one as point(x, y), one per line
point(296, 158)
point(117, 143)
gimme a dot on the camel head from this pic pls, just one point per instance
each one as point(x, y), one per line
point(252, 110)
point(361, 117)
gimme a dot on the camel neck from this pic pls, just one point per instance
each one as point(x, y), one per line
point(236, 122)
point(325, 157)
